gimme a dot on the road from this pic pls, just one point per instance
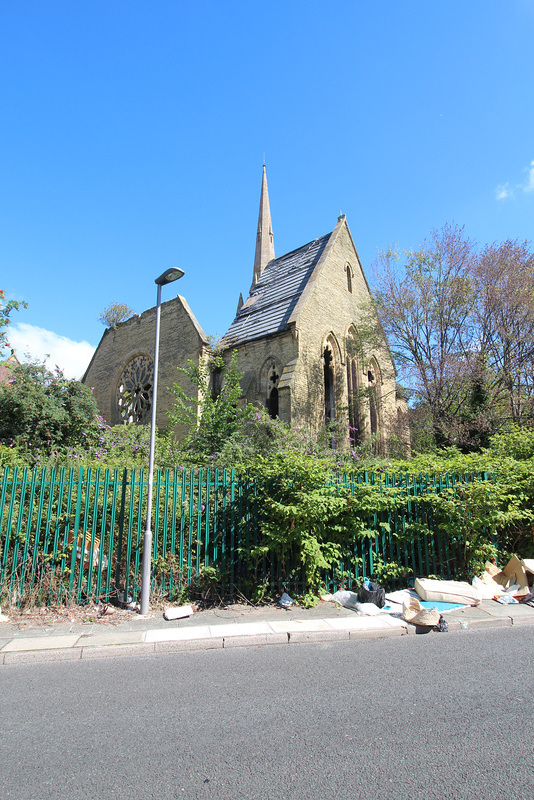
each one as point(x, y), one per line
point(436, 717)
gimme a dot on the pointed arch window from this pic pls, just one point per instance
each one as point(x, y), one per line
point(374, 382)
point(269, 380)
point(348, 270)
point(353, 389)
point(329, 385)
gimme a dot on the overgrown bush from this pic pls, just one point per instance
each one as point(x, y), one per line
point(42, 411)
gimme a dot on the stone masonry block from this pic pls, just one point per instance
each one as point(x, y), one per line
point(258, 639)
point(37, 656)
point(184, 645)
point(300, 637)
point(107, 651)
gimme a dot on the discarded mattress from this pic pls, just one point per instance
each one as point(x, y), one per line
point(447, 591)
point(398, 598)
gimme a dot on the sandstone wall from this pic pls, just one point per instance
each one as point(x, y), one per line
point(180, 339)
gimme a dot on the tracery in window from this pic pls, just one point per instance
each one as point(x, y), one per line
point(269, 380)
point(134, 393)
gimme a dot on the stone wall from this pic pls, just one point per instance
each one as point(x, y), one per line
point(181, 338)
point(324, 316)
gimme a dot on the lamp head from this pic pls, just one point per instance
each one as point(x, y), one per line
point(169, 276)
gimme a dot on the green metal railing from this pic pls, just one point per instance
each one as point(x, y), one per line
point(77, 534)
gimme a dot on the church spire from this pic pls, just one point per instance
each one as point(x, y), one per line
point(264, 237)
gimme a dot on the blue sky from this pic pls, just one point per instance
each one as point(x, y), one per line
point(133, 137)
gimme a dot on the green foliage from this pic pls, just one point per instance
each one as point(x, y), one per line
point(115, 313)
point(6, 307)
point(386, 572)
point(44, 411)
point(301, 516)
point(12, 456)
point(516, 443)
point(213, 417)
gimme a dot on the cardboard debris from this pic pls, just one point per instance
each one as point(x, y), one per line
point(498, 581)
point(416, 614)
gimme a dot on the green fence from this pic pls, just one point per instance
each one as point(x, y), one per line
point(78, 534)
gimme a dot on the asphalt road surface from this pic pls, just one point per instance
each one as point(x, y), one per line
point(437, 717)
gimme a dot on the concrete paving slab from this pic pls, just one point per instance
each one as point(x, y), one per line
point(395, 622)
point(515, 611)
point(240, 629)
point(40, 643)
point(470, 612)
point(178, 634)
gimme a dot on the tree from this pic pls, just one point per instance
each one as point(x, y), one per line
point(504, 316)
point(6, 307)
point(44, 411)
point(115, 313)
point(425, 302)
point(460, 322)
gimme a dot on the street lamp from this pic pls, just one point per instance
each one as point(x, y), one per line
point(168, 276)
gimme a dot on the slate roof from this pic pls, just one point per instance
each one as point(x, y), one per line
point(271, 302)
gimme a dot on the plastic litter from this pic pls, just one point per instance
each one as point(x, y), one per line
point(506, 599)
point(372, 593)
point(346, 599)
point(286, 601)
point(442, 626)
point(367, 608)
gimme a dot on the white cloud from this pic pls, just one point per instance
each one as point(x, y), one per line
point(503, 191)
point(529, 185)
point(35, 343)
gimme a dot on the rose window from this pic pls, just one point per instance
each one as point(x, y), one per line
point(134, 395)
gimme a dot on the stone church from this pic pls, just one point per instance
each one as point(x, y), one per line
point(304, 345)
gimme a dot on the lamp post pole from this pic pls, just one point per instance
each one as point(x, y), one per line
point(168, 276)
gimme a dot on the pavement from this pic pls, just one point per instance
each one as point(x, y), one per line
point(237, 625)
